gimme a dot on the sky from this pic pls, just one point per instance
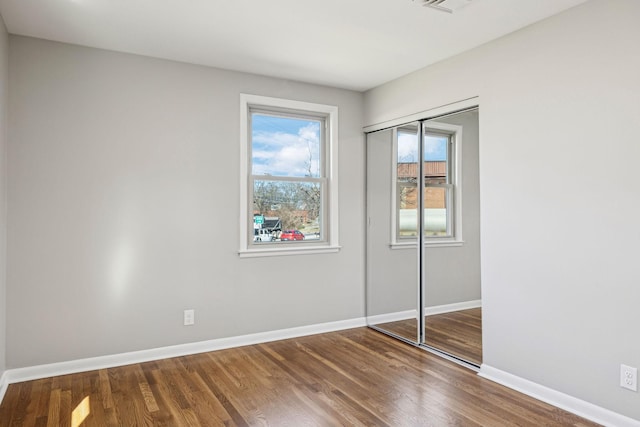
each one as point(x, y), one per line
point(285, 146)
point(435, 148)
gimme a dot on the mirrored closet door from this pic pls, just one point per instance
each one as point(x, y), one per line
point(392, 275)
point(428, 294)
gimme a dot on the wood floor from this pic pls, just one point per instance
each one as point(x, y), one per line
point(357, 377)
point(458, 333)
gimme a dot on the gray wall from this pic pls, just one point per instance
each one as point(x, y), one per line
point(559, 108)
point(4, 101)
point(123, 208)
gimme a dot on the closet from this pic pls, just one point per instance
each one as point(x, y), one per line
point(426, 171)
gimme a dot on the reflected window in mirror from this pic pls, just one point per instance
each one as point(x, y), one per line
point(440, 167)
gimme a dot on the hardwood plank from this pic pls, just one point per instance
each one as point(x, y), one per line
point(53, 417)
point(105, 389)
point(22, 404)
point(32, 409)
point(356, 377)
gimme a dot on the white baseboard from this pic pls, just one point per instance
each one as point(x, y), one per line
point(90, 364)
point(448, 308)
point(429, 311)
point(391, 317)
point(3, 385)
point(572, 404)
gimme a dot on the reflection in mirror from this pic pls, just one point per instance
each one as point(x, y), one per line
point(437, 221)
point(453, 321)
point(392, 274)
point(447, 277)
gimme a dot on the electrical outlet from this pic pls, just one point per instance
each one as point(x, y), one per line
point(629, 377)
point(189, 317)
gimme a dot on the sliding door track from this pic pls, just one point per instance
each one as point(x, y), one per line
point(430, 349)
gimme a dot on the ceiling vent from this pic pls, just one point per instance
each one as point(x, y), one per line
point(448, 6)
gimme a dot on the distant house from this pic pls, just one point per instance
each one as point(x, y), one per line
point(435, 172)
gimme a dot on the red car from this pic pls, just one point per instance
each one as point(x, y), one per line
point(291, 235)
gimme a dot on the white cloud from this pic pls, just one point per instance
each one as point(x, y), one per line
point(407, 147)
point(286, 154)
point(434, 147)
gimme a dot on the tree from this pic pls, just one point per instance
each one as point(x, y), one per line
point(292, 202)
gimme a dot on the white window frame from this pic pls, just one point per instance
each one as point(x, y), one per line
point(330, 198)
point(455, 178)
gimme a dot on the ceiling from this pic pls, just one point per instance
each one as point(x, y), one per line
point(352, 44)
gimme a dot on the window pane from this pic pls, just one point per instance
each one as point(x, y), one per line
point(435, 148)
point(286, 211)
point(436, 154)
point(435, 211)
point(408, 149)
point(407, 210)
point(285, 146)
point(407, 181)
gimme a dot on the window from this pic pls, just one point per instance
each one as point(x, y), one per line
point(289, 177)
point(441, 193)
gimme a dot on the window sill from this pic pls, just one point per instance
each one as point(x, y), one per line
point(428, 244)
point(307, 250)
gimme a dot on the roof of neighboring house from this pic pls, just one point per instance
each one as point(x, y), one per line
point(272, 223)
point(431, 169)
